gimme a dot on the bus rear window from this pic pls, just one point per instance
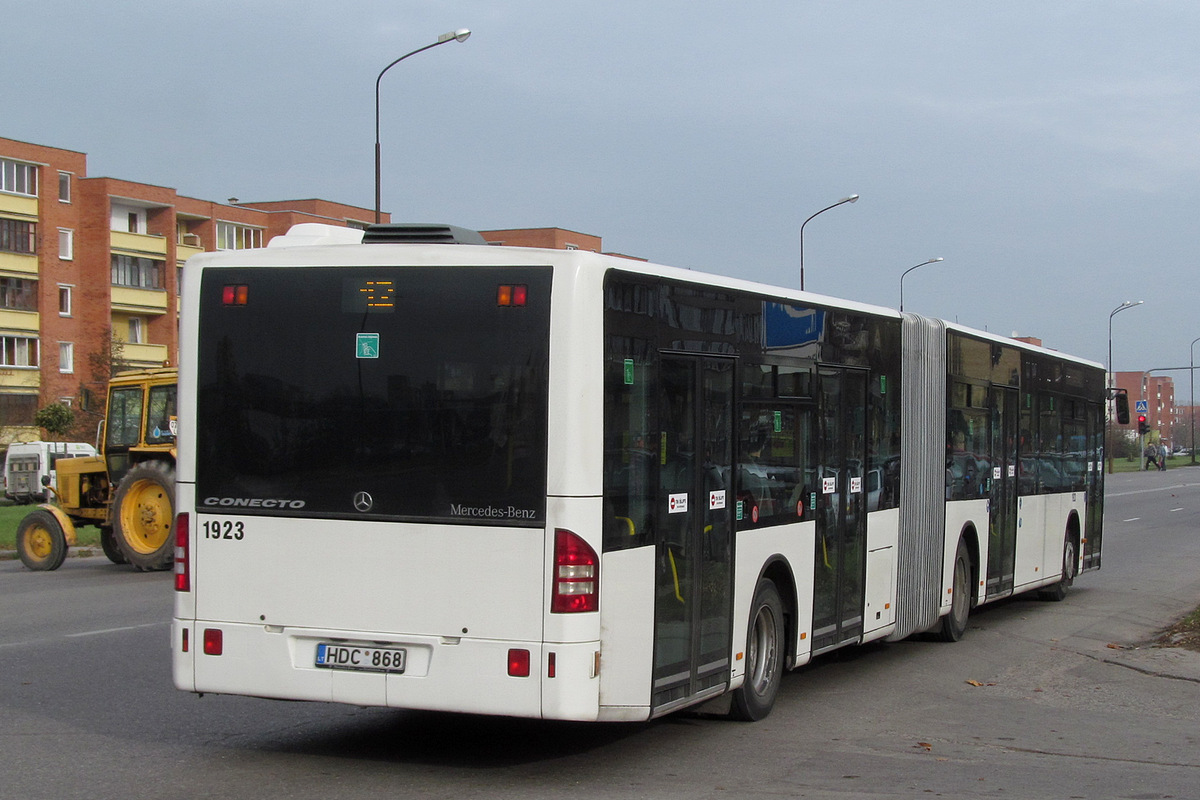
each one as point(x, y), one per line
point(376, 393)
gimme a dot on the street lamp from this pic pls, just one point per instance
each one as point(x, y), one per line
point(1111, 378)
point(459, 35)
point(910, 269)
point(851, 199)
point(1192, 396)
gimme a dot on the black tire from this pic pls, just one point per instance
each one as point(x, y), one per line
point(765, 640)
point(143, 512)
point(954, 624)
point(1058, 591)
point(108, 543)
point(41, 542)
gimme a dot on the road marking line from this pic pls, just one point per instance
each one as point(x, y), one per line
point(1131, 519)
point(114, 630)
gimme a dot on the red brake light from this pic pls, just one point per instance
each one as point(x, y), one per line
point(183, 576)
point(235, 295)
point(576, 575)
point(508, 294)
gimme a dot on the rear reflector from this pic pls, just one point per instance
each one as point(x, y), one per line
point(183, 577)
point(518, 663)
point(214, 642)
point(576, 575)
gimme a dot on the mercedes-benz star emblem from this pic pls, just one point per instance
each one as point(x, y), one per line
point(363, 502)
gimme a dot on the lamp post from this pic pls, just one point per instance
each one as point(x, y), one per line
point(910, 269)
point(459, 35)
point(851, 199)
point(1192, 397)
point(1111, 378)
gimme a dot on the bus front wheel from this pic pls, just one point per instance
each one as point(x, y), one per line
point(764, 656)
point(1058, 591)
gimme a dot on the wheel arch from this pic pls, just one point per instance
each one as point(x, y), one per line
point(778, 570)
point(969, 535)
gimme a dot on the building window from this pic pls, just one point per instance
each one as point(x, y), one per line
point(237, 237)
point(18, 409)
point(18, 178)
point(64, 187)
point(64, 300)
point(136, 272)
point(18, 351)
point(66, 244)
point(66, 356)
point(135, 222)
point(137, 330)
point(18, 236)
point(18, 294)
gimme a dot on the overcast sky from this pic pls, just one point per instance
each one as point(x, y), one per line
point(1048, 151)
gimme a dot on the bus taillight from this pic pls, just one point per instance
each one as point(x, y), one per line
point(235, 295)
point(512, 294)
point(576, 575)
point(183, 577)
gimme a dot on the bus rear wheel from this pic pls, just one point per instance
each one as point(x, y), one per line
point(41, 542)
point(143, 510)
point(954, 624)
point(754, 699)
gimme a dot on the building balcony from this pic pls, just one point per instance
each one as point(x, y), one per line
point(138, 244)
point(139, 301)
point(144, 356)
point(185, 251)
point(19, 204)
point(20, 320)
point(19, 262)
point(20, 380)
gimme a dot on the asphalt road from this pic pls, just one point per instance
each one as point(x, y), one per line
point(1039, 700)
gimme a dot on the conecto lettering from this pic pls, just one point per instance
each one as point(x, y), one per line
point(252, 502)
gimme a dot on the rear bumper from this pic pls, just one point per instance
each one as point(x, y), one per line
point(442, 673)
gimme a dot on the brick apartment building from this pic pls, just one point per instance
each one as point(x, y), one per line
point(89, 273)
point(1159, 393)
point(89, 269)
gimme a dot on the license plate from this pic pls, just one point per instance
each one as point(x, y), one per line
point(370, 659)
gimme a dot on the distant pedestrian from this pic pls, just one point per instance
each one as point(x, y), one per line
point(1162, 457)
point(1151, 454)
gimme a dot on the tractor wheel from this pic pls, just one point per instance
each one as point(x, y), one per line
point(41, 542)
point(143, 510)
point(108, 543)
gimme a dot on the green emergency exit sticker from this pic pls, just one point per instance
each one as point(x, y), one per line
point(629, 372)
point(366, 345)
point(883, 384)
point(778, 421)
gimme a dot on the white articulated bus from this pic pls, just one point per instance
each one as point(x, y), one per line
point(422, 472)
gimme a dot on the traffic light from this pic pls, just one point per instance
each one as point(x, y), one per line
point(1143, 426)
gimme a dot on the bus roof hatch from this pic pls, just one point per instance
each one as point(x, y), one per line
point(417, 233)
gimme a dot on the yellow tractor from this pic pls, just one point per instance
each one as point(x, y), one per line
point(128, 490)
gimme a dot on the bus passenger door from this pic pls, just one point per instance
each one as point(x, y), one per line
point(840, 565)
point(693, 591)
point(1002, 495)
point(1095, 487)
